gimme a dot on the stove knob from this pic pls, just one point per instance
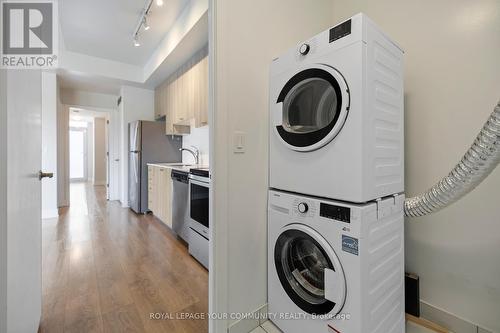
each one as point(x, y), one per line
point(304, 49)
point(303, 207)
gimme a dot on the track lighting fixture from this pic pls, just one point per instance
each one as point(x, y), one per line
point(136, 42)
point(145, 23)
point(143, 20)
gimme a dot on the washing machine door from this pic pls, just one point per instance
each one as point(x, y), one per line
point(311, 108)
point(309, 270)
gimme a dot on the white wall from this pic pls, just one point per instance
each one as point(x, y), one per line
point(49, 144)
point(88, 99)
point(452, 82)
point(137, 104)
point(243, 50)
point(199, 138)
point(99, 151)
point(3, 201)
point(115, 153)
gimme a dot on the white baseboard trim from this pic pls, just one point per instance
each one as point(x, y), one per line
point(50, 213)
point(246, 325)
point(448, 320)
point(99, 183)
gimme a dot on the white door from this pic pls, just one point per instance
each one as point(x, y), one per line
point(23, 273)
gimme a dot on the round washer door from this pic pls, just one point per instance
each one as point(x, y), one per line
point(309, 270)
point(311, 108)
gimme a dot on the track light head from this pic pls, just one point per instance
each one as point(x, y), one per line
point(145, 24)
point(136, 42)
point(159, 3)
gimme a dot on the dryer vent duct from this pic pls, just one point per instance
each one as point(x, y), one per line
point(477, 163)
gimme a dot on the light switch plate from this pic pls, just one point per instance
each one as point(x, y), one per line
point(239, 142)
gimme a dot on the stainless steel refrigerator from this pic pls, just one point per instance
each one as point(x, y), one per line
point(148, 143)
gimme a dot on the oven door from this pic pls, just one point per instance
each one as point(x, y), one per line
point(199, 193)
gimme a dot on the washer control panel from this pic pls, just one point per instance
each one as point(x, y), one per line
point(335, 212)
point(304, 208)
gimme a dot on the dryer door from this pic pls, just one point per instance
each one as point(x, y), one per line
point(311, 108)
point(309, 270)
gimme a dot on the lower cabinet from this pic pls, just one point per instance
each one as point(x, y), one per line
point(160, 193)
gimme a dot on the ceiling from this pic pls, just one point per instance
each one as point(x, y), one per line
point(105, 28)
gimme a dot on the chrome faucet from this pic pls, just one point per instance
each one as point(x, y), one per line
point(195, 152)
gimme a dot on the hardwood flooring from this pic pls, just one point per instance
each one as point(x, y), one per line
point(106, 269)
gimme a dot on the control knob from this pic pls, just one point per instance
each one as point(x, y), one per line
point(304, 49)
point(303, 207)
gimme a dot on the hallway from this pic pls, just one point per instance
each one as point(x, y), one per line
point(106, 269)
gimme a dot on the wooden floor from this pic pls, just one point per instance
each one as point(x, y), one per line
point(106, 269)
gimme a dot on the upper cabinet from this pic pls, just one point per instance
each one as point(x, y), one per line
point(184, 96)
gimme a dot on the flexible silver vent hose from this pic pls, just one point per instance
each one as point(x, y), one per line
point(477, 163)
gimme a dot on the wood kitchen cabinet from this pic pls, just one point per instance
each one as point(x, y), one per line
point(183, 97)
point(160, 193)
point(201, 88)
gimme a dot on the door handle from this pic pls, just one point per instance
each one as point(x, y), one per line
point(117, 160)
point(42, 175)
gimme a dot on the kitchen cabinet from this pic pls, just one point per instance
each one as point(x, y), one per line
point(151, 189)
point(183, 98)
point(160, 193)
point(201, 87)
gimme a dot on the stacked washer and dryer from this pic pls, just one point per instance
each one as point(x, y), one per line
point(336, 242)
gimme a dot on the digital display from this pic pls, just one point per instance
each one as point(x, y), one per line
point(333, 212)
point(340, 31)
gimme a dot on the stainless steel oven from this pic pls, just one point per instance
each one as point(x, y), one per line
point(199, 208)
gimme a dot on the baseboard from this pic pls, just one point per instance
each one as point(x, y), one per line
point(448, 320)
point(254, 320)
point(426, 323)
point(50, 213)
point(99, 183)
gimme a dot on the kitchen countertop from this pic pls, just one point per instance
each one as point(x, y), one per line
point(178, 166)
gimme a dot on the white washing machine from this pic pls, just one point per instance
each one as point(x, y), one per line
point(336, 112)
point(335, 267)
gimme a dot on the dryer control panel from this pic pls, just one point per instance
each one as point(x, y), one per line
point(340, 31)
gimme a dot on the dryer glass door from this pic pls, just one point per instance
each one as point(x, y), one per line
point(310, 106)
point(301, 262)
point(313, 106)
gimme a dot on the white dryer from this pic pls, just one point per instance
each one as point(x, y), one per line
point(336, 113)
point(335, 267)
